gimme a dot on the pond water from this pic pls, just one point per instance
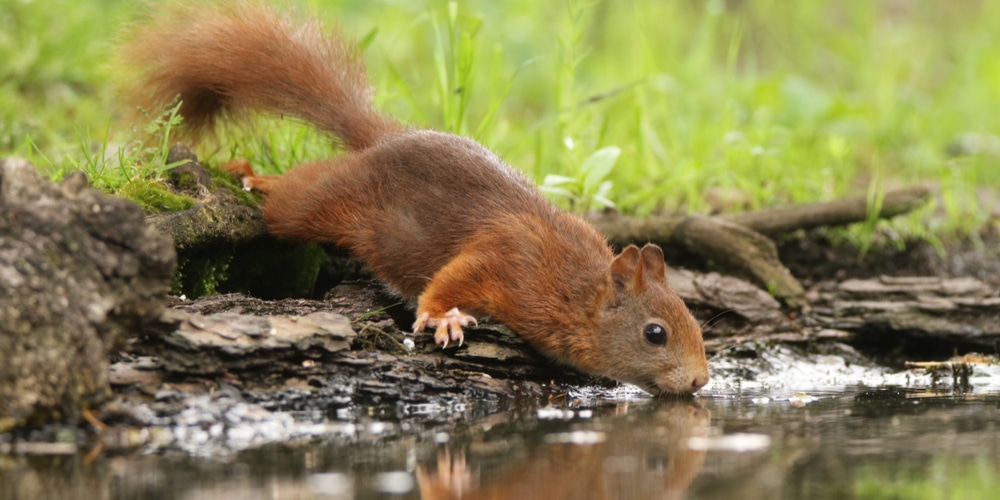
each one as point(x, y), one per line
point(801, 437)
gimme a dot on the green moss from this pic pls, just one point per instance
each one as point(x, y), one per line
point(200, 274)
point(224, 179)
point(187, 181)
point(266, 268)
point(153, 196)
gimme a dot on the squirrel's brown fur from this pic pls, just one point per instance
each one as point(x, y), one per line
point(438, 217)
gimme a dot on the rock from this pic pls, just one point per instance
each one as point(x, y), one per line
point(942, 314)
point(79, 271)
point(219, 342)
point(189, 174)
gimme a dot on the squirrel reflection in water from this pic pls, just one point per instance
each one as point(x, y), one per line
point(636, 454)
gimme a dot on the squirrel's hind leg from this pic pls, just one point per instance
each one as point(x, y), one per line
point(251, 181)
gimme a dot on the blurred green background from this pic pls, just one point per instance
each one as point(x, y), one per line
point(686, 105)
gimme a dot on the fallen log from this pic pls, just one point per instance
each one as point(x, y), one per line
point(779, 220)
point(355, 343)
point(960, 312)
point(218, 217)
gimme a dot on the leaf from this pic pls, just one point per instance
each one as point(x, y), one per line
point(368, 39)
point(557, 191)
point(604, 189)
point(558, 180)
point(604, 202)
point(601, 196)
point(598, 165)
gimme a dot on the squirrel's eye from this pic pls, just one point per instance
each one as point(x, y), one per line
point(655, 334)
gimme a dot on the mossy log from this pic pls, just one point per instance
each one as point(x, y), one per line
point(219, 218)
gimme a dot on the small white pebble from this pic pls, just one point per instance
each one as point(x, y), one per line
point(241, 433)
point(398, 482)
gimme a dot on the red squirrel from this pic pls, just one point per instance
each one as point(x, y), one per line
point(439, 218)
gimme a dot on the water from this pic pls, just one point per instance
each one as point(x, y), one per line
point(826, 429)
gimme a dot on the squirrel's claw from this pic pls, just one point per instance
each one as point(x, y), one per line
point(448, 327)
point(441, 335)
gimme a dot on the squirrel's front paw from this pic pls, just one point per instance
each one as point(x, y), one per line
point(449, 326)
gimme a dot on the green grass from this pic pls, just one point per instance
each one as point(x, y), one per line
point(974, 478)
point(649, 105)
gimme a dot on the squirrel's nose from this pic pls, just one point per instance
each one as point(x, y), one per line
point(698, 382)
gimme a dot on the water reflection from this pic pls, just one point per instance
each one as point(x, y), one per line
point(888, 443)
point(637, 451)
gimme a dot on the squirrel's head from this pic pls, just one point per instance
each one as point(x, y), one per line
point(652, 340)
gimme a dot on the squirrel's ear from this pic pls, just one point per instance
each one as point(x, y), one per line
point(652, 263)
point(633, 267)
point(626, 271)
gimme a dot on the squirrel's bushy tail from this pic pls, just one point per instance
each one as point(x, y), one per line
point(225, 58)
